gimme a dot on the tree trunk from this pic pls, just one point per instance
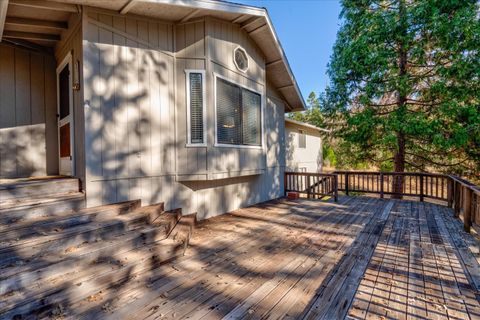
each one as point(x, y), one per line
point(399, 166)
point(399, 159)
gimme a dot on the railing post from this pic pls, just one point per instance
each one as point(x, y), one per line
point(308, 185)
point(450, 192)
point(285, 184)
point(335, 184)
point(456, 199)
point(346, 183)
point(421, 188)
point(467, 209)
point(381, 185)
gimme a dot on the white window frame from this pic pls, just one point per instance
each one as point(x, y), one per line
point(204, 108)
point(262, 104)
point(300, 132)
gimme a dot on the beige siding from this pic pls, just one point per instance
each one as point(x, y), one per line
point(128, 107)
point(309, 159)
point(224, 37)
point(27, 112)
point(135, 118)
point(190, 54)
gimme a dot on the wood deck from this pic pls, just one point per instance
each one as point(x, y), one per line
point(363, 258)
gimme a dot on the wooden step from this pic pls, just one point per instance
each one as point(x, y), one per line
point(36, 230)
point(14, 211)
point(158, 230)
point(90, 283)
point(56, 240)
point(23, 188)
point(75, 260)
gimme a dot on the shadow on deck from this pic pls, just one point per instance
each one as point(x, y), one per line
point(360, 258)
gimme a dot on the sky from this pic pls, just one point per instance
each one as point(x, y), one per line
point(307, 30)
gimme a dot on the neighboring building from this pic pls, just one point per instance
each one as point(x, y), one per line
point(303, 146)
point(158, 100)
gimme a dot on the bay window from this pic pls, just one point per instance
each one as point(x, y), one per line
point(238, 112)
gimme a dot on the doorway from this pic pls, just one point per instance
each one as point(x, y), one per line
point(65, 116)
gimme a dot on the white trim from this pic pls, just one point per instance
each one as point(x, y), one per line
point(235, 61)
point(306, 125)
point(262, 103)
point(68, 60)
point(204, 108)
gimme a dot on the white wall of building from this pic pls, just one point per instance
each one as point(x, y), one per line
point(308, 159)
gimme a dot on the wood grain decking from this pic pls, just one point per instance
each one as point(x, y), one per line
point(363, 258)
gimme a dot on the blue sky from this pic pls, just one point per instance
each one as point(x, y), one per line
point(307, 30)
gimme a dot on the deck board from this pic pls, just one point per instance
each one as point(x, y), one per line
point(362, 258)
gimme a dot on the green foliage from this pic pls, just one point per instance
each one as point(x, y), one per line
point(329, 156)
point(406, 74)
point(313, 114)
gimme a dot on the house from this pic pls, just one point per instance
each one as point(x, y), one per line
point(303, 146)
point(159, 100)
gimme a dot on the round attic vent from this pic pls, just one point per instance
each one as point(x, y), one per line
point(241, 59)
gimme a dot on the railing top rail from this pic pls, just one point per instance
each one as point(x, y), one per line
point(310, 174)
point(466, 183)
point(392, 173)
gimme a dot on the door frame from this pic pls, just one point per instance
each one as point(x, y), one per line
point(67, 60)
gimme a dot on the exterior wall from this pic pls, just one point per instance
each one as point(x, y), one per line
point(309, 159)
point(27, 113)
point(135, 117)
point(129, 108)
point(223, 38)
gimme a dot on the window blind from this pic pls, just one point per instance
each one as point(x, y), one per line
point(238, 115)
point(302, 139)
point(229, 116)
point(196, 108)
point(251, 118)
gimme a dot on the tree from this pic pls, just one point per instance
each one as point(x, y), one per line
point(405, 83)
point(313, 114)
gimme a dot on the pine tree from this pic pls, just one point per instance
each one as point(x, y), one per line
point(405, 83)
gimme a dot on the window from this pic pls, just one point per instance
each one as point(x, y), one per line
point(241, 59)
point(238, 115)
point(302, 139)
point(196, 107)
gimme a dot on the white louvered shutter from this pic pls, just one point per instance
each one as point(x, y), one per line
point(196, 108)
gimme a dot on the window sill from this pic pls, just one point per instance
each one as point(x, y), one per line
point(196, 145)
point(219, 175)
point(237, 146)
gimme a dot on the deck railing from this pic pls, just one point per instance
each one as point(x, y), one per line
point(313, 185)
point(411, 184)
point(457, 193)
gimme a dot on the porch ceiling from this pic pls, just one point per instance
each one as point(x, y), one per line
point(41, 23)
point(35, 24)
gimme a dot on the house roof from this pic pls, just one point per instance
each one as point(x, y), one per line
point(305, 125)
point(255, 21)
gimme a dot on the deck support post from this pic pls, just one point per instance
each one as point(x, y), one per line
point(335, 185)
point(307, 177)
point(421, 188)
point(450, 192)
point(467, 209)
point(346, 183)
point(381, 185)
point(456, 199)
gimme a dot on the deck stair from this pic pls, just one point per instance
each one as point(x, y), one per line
point(51, 264)
point(27, 199)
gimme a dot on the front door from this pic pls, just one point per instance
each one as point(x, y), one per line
point(65, 116)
